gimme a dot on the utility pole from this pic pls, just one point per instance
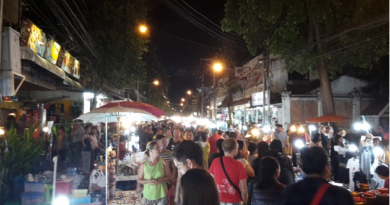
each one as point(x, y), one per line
point(266, 88)
point(201, 89)
point(138, 90)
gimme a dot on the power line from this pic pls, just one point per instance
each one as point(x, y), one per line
point(199, 44)
point(194, 20)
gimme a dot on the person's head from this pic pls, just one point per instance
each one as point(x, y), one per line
point(199, 181)
point(61, 130)
point(315, 162)
point(382, 171)
point(177, 135)
point(230, 146)
point(88, 129)
point(123, 138)
point(203, 136)
point(343, 133)
point(95, 131)
point(376, 141)
point(269, 172)
point(160, 139)
point(252, 148)
point(189, 135)
point(242, 149)
point(207, 131)
point(168, 132)
point(279, 127)
point(317, 139)
point(152, 149)
point(262, 148)
point(159, 131)
point(188, 155)
point(149, 128)
point(327, 129)
point(276, 145)
point(233, 135)
point(338, 139)
point(218, 144)
point(220, 132)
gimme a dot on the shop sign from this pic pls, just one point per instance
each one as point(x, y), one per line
point(33, 37)
point(52, 51)
point(257, 99)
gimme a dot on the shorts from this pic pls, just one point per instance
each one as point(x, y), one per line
point(161, 201)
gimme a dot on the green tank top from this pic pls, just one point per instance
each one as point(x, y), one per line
point(154, 192)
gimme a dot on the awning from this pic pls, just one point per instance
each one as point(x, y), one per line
point(28, 54)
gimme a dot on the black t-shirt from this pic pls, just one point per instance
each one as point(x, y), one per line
point(171, 145)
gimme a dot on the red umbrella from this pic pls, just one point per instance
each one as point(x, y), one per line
point(138, 105)
point(328, 118)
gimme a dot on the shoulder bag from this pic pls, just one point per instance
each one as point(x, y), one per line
point(231, 182)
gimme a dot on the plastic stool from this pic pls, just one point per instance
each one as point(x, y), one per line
point(48, 189)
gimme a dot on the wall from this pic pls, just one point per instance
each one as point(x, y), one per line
point(303, 108)
point(343, 107)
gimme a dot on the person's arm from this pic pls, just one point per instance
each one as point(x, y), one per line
point(249, 170)
point(243, 189)
point(140, 176)
point(177, 190)
point(174, 175)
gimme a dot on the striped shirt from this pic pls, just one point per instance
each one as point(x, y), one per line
point(166, 155)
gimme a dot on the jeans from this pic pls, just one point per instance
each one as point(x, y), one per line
point(78, 147)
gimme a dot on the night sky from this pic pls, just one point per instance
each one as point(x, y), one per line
point(181, 44)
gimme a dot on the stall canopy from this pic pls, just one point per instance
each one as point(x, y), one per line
point(137, 105)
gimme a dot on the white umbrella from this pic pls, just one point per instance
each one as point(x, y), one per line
point(113, 113)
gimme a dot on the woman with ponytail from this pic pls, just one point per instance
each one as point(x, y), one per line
point(153, 174)
point(268, 189)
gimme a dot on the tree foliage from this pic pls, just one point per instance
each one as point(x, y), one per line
point(113, 26)
point(351, 32)
point(313, 35)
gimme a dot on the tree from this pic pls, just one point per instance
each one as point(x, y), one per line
point(321, 36)
point(113, 26)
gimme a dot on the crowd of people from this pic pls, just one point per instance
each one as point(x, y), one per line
point(198, 167)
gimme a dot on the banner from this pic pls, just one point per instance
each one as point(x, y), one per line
point(32, 37)
point(241, 73)
point(52, 51)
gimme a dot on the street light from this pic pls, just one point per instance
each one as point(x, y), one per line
point(217, 67)
point(183, 100)
point(189, 92)
point(143, 29)
point(181, 104)
point(156, 82)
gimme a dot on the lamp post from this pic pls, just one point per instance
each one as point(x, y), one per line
point(217, 68)
point(155, 82)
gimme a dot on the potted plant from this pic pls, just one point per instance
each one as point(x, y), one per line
point(18, 157)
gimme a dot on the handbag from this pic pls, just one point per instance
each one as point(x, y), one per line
point(227, 176)
point(320, 194)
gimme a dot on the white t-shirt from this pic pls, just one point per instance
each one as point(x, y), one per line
point(97, 177)
point(353, 166)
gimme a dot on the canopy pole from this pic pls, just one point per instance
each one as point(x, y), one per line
point(106, 158)
point(117, 145)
